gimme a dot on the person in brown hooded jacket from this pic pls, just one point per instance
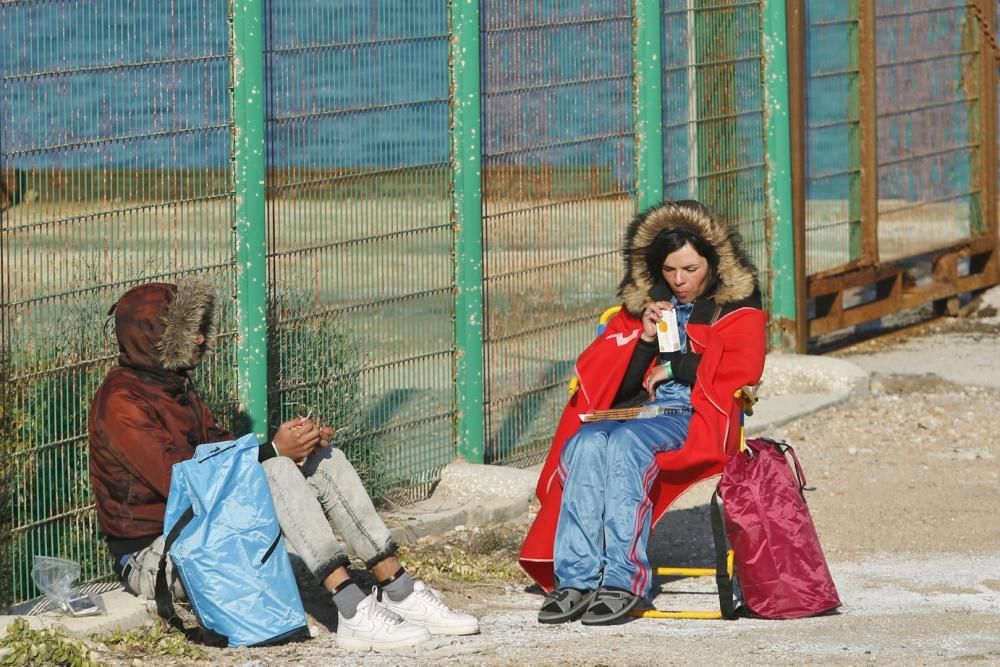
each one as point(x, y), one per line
point(146, 416)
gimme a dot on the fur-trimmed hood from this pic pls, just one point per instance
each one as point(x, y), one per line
point(157, 325)
point(737, 274)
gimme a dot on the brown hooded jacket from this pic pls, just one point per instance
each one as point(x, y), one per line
point(146, 415)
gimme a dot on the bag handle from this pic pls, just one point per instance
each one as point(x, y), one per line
point(785, 449)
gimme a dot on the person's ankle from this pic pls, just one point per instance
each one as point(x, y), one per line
point(347, 596)
point(398, 587)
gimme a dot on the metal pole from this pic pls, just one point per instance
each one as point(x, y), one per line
point(779, 178)
point(797, 131)
point(692, 89)
point(648, 104)
point(986, 220)
point(467, 212)
point(864, 246)
point(249, 159)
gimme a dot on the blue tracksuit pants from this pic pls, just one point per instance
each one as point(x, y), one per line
point(608, 468)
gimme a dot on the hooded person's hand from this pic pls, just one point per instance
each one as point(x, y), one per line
point(297, 438)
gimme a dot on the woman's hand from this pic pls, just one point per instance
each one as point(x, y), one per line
point(297, 438)
point(651, 317)
point(654, 377)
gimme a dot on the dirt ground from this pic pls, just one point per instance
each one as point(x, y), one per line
point(906, 488)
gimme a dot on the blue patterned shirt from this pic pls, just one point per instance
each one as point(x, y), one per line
point(671, 392)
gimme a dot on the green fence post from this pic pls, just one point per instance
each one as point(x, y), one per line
point(781, 232)
point(249, 170)
point(467, 212)
point(647, 51)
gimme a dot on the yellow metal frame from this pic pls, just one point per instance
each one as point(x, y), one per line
point(687, 572)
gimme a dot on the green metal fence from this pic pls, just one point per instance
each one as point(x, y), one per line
point(558, 159)
point(412, 212)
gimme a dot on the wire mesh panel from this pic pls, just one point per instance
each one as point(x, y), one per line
point(713, 113)
point(359, 235)
point(928, 139)
point(114, 154)
point(557, 191)
point(833, 167)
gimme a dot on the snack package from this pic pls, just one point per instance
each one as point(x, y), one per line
point(667, 334)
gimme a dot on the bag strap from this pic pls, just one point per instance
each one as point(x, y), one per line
point(787, 449)
point(164, 597)
point(727, 598)
point(192, 628)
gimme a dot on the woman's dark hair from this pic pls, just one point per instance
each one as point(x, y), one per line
point(672, 240)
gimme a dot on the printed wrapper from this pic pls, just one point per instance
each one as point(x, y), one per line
point(667, 334)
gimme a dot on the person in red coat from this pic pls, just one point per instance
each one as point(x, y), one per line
point(605, 483)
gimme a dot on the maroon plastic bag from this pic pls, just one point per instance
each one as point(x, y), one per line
point(779, 563)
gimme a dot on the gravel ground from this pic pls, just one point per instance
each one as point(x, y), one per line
point(905, 500)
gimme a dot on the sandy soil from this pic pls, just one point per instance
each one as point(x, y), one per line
point(906, 488)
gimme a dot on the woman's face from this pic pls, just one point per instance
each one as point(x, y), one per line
point(686, 272)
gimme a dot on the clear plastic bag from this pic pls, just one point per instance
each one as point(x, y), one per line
point(55, 576)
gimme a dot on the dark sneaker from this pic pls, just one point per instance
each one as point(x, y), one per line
point(564, 604)
point(610, 605)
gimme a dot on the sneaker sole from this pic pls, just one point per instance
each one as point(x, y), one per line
point(451, 629)
point(356, 644)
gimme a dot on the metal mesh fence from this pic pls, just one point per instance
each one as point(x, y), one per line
point(713, 113)
point(117, 152)
point(832, 132)
point(928, 141)
point(101, 192)
point(927, 127)
point(558, 186)
point(359, 231)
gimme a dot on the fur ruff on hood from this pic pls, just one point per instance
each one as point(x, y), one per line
point(157, 324)
point(737, 274)
point(191, 312)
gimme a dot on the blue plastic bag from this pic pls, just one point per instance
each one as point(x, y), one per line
point(223, 537)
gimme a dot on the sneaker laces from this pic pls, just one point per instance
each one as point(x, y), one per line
point(431, 596)
point(382, 614)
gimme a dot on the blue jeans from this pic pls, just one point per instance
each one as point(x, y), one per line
point(608, 469)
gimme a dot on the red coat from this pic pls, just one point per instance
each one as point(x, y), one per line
point(732, 349)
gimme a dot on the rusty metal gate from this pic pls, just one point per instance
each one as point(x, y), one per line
point(894, 145)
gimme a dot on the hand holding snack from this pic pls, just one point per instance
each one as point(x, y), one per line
point(297, 438)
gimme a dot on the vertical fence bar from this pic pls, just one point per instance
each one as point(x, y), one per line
point(648, 103)
point(865, 248)
point(797, 142)
point(467, 214)
point(858, 123)
point(249, 159)
point(986, 221)
point(779, 180)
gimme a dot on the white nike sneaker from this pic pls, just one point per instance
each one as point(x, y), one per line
point(424, 607)
point(375, 627)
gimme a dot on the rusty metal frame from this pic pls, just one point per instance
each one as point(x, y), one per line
point(868, 120)
point(895, 288)
point(988, 62)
